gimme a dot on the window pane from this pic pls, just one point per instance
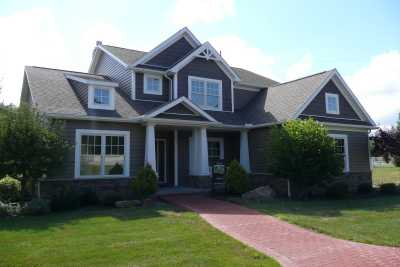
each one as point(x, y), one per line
point(212, 101)
point(332, 104)
point(90, 155)
point(197, 87)
point(198, 99)
point(212, 88)
point(114, 159)
point(153, 84)
point(101, 96)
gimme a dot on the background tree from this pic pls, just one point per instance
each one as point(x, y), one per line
point(31, 145)
point(303, 153)
point(387, 144)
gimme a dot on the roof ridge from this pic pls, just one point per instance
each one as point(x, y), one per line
point(302, 78)
point(73, 71)
point(125, 48)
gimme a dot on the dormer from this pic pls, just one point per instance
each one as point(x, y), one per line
point(97, 94)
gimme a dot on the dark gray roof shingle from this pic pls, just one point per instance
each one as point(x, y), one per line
point(128, 56)
point(253, 79)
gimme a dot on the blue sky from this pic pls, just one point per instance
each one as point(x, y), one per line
point(283, 40)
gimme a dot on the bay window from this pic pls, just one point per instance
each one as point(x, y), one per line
point(101, 153)
point(206, 93)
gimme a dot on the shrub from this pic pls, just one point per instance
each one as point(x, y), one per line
point(88, 197)
point(388, 189)
point(236, 179)
point(302, 152)
point(365, 188)
point(66, 199)
point(9, 209)
point(338, 189)
point(36, 206)
point(10, 189)
point(145, 183)
point(110, 198)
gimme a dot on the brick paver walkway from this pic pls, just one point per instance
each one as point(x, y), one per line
point(289, 244)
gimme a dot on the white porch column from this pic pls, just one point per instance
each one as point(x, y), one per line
point(244, 150)
point(150, 147)
point(176, 172)
point(203, 169)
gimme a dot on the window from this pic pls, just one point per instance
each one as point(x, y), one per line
point(215, 150)
point(332, 103)
point(342, 149)
point(101, 153)
point(152, 84)
point(101, 98)
point(206, 93)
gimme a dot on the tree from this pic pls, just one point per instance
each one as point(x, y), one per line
point(31, 145)
point(387, 144)
point(303, 153)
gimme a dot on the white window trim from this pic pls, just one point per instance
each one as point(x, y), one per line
point(220, 140)
point(336, 96)
point(346, 149)
point(146, 91)
point(92, 105)
point(190, 78)
point(103, 134)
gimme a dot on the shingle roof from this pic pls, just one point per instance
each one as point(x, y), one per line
point(253, 79)
point(280, 102)
point(130, 56)
point(53, 93)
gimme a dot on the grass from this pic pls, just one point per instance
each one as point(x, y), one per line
point(381, 175)
point(156, 236)
point(368, 220)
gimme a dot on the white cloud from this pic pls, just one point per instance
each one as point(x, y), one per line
point(189, 12)
point(239, 53)
point(34, 37)
point(301, 68)
point(377, 86)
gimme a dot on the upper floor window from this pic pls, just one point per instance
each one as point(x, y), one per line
point(332, 103)
point(206, 93)
point(152, 84)
point(101, 97)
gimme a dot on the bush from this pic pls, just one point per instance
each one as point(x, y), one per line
point(388, 189)
point(9, 209)
point(10, 189)
point(88, 197)
point(36, 206)
point(145, 183)
point(365, 188)
point(66, 199)
point(338, 189)
point(236, 179)
point(302, 152)
point(110, 198)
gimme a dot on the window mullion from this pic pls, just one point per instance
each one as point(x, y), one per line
point(103, 152)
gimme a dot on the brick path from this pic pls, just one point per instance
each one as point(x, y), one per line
point(289, 244)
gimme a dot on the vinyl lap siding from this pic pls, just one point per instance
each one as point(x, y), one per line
point(259, 148)
point(109, 67)
point(243, 97)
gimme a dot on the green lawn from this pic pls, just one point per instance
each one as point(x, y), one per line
point(157, 236)
point(381, 175)
point(369, 220)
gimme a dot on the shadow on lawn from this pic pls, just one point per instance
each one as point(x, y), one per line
point(328, 207)
point(59, 219)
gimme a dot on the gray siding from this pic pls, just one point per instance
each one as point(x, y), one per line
point(206, 69)
point(109, 67)
point(137, 135)
point(181, 109)
point(317, 106)
point(140, 87)
point(259, 148)
point(172, 54)
point(243, 97)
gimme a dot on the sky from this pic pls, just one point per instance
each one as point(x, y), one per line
point(283, 40)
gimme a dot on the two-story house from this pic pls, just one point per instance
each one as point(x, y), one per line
point(180, 108)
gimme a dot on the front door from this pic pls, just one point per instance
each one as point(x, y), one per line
point(161, 159)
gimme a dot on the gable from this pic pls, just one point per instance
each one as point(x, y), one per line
point(172, 54)
point(181, 109)
point(181, 112)
point(317, 106)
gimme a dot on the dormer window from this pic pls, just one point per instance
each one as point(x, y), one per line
point(101, 97)
point(206, 93)
point(152, 84)
point(332, 103)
